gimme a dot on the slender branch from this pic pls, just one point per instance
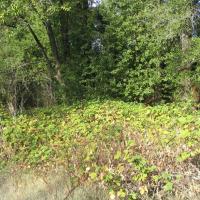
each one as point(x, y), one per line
point(40, 45)
point(186, 68)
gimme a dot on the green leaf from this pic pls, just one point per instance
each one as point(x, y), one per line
point(168, 186)
point(121, 193)
point(93, 175)
point(118, 155)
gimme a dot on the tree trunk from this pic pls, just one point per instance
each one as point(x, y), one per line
point(185, 44)
point(64, 30)
point(55, 52)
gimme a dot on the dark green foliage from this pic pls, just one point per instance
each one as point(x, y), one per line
point(138, 51)
point(130, 50)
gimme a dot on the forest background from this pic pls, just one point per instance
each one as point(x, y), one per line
point(65, 51)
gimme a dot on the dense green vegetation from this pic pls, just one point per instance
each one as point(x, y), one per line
point(133, 150)
point(109, 89)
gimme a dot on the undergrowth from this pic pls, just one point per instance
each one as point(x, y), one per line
point(131, 150)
